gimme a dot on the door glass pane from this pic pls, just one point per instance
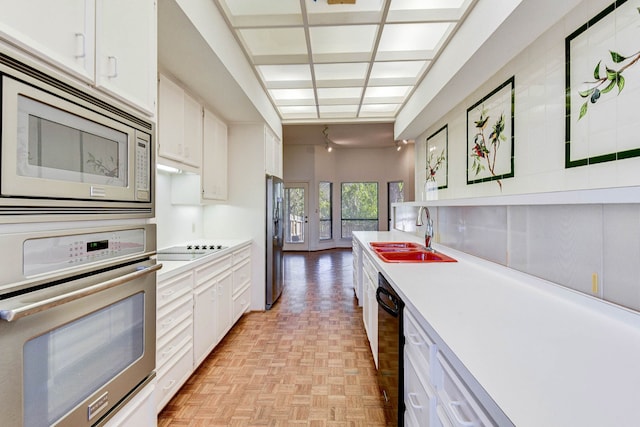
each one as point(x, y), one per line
point(64, 366)
point(295, 215)
point(325, 209)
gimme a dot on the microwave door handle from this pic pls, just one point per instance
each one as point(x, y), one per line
point(48, 303)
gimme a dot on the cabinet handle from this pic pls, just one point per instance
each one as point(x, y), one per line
point(413, 399)
point(168, 351)
point(169, 385)
point(80, 46)
point(113, 67)
point(455, 410)
point(415, 340)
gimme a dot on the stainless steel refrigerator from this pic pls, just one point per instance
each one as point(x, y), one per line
point(275, 235)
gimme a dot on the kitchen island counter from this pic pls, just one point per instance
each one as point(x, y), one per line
point(545, 354)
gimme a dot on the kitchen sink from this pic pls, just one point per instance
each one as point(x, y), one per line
point(407, 252)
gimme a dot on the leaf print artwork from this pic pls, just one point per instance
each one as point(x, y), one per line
point(434, 165)
point(490, 136)
point(602, 82)
point(612, 78)
point(485, 150)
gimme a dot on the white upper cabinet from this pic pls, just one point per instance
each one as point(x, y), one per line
point(62, 31)
point(126, 50)
point(273, 153)
point(214, 158)
point(109, 43)
point(179, 127)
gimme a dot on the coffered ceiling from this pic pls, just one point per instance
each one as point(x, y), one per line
point(322, 62)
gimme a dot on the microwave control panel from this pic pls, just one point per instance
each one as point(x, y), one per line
point(143, 167)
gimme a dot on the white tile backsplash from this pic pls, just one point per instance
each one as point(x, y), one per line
point(565, 244)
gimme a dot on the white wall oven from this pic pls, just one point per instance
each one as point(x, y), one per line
point(77, 323)
point(66, 154)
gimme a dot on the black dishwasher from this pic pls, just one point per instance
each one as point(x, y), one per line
point(390, 351)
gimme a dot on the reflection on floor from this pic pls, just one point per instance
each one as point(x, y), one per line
point(306, 362)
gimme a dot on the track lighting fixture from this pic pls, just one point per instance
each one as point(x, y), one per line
point(327, 141)
point(398, 146)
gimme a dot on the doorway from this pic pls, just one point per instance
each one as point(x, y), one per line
point(296, 216)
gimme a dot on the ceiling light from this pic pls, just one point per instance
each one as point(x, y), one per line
point(398, 146)
point(404, 141)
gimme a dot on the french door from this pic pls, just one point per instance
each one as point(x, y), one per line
point(296, 216)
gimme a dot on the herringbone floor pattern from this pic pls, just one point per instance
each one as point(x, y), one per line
point(305, 362)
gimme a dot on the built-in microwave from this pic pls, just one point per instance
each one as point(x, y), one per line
point(67, 154)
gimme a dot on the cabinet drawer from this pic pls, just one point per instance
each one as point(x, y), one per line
point(456, 401)
point(369, 269)
point(241, 254)
point(241, 276)
point(419, 398)
point(174, 315)
point(172, 342)
point(172, 289)
point(241, 303)
point(212, 269)
point(178, 371)
point(420, 346)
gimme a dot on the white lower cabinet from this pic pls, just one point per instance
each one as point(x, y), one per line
point(370, 304)
point(435, 394)
point(209, 321)
point(457, 404)
point(419, 397)
point(195, 310)
point(139, 411)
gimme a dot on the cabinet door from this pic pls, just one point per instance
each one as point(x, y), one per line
point(204, 321)
point(60, 31)
point(126, 51)
point(214, 158)
point(192, 149)
point(170, 120)
point(225, 304)
point(272, 153)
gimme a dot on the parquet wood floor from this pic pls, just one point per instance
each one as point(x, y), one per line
point(305, 362)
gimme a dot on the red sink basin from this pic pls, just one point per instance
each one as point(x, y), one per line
point(396, 246)
point(407, 252)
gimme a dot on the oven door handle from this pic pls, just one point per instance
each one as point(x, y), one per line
point(48, 303)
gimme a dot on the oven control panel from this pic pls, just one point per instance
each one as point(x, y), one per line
point(51, 254)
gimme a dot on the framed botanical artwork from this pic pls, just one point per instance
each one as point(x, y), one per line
point(490, 136)
point(602, 86)
point(438, 157)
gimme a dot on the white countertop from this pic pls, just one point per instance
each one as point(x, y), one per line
point(172, 268)
point(547, 355)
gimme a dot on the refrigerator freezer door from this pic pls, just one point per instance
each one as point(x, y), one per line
point(274, 237)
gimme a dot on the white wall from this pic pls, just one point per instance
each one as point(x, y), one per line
point(312, 164)
point(177, 224)
point(243, 215)
point(590, 247)
point(539, 73)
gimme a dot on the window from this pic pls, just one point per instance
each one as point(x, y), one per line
point(359, 207)
point(324, 212)
point(395, 194)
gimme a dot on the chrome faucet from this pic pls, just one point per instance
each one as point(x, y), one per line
point(428, 231)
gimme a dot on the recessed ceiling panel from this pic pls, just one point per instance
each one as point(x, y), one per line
point(274, 41)
point(284, 73)
point(343, 39)
point(317, 60)
point(345, 71)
